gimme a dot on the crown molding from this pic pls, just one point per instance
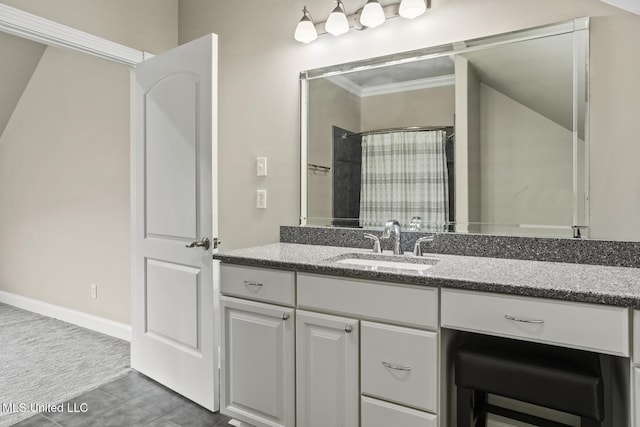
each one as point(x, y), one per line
point(32, 27)
point(362, 92)
point(427, 83)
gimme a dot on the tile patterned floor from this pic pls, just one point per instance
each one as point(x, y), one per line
point(132, 400)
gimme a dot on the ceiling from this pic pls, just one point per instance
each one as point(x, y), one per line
point(632, 6)
point(536, 73)
point(403, 72)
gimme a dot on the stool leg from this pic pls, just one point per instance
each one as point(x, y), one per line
point(586, 422)
point(480, 408)
point(464, 407)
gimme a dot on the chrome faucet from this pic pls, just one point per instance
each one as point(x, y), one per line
point(376, 242)
point(417, 249)
point(393, 226)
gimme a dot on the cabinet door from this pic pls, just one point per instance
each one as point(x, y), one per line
point(257, 375)
point(327, 370)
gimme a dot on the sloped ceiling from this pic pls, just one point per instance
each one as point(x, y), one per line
point(632, 6)
point(536, 73)
point(20, 58)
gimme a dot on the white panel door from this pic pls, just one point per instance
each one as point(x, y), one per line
point(258, 363)
point(327, 370)
point(174, 219)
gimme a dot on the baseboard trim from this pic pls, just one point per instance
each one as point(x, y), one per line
point(75, 317)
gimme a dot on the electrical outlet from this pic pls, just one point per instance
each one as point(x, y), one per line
point(261, 199)
point(94, 290)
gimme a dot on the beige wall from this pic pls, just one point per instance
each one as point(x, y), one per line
point(424, 107)
point(260, 60)
point(467, 147)
point(344, 113)
point(65, 187)
point(19, 58)
point(64, 161)
point(525, 178)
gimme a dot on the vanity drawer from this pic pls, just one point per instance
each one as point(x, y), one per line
point(399, 364)
point(376, 413)
point(599, 328)
point(260, 284)
point(407, 305)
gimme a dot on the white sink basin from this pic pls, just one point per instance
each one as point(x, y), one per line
point(375, 262)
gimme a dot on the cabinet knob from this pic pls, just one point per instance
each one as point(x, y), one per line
point(284, 316)
point(348, 329)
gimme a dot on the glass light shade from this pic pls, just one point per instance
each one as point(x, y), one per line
point(372, 14)
point(305, 31)
point(337, 23)
point(412, 8)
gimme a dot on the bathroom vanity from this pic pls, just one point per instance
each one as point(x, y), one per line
point(310, 341)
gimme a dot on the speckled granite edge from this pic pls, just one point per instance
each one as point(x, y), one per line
point(576, 251)
point(587, 295)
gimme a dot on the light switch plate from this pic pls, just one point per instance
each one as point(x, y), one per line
point(261, 166)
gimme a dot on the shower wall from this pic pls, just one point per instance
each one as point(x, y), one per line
point(347, 165)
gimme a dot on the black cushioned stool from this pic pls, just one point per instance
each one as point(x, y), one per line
point(553, 377)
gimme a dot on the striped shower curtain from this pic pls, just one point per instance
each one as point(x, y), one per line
point(404, 174)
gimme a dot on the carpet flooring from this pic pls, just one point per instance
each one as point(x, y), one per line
point(44, 361)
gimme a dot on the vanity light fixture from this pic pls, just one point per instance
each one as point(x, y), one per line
point(372, 14)
point(412, 8)
point(306, 30)
point(337, 23)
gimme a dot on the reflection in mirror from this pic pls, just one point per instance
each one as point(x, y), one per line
point(382, 142)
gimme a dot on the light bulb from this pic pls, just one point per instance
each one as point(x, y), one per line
point(372, 14)
point(337, 23)
point(412, 8)
point(306, 30)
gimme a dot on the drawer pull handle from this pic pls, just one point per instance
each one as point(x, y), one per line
point(284, 316)
point(249, 283)
point(519, 319)
point(348, 329)
point(394, 367)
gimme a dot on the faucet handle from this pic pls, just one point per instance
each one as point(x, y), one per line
point(417, 249)
point(376, 242)
point(415, 224)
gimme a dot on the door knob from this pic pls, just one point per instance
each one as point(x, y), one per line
point(202, 243)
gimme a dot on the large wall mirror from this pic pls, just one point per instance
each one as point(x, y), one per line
point(484, 136)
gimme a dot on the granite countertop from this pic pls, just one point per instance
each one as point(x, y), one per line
point(619, 286)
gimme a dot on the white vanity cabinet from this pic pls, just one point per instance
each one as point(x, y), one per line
point(394, 381)
point(258, 346)
point(327, 373)
point(400, 365)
